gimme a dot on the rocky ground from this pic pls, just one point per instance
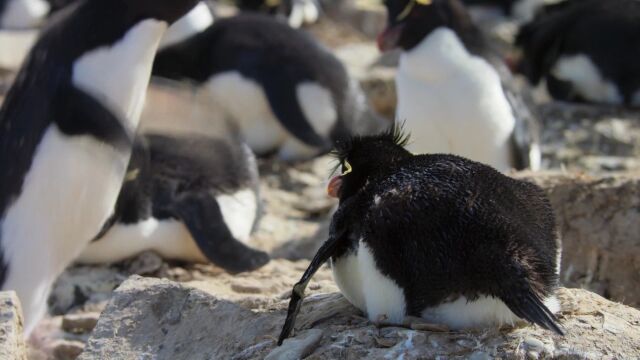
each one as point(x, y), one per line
point(156, 309)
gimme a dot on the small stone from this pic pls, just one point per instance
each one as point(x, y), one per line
point(146, 263)
point(534, 344)
point(533, 355)
point(298, 347)
point(80, 323)
point(429, 327)
point(247, 288)
point(68, 350)
point(385, 342)
point(480, 355)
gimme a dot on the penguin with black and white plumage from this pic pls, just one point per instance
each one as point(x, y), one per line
point(586, 50)
point(439, 237)
point(296, 12)
point(286, 92)
point(186, 197)
point(450, 96)
point(66, 135)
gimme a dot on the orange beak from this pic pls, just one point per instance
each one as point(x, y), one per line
point(333, 189)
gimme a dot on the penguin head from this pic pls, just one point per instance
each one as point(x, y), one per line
point(410, 21)
point(361, 158)
point(164, 10)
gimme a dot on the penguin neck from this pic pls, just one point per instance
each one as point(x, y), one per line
point(195, 22)
point(121, 90)
point(440, 55)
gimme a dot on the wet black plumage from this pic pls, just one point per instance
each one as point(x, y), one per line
point(441, 227)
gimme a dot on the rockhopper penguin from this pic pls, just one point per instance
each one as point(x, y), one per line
point(66, 131)
point(586, 50)
point(439, 237)
point(287, 93)
point(449, 95)
point(189, 198)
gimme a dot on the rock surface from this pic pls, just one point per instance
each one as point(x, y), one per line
point(12, 344)
point(599, 219)
point(159, 319)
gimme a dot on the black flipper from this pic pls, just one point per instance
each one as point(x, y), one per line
point(202, 216)
point(527, 305)
point(337, 233)
point(78, 113)
point(286, 107)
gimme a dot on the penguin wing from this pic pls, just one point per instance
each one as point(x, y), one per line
point(285, 105)
point(201, 214)
point(78, 113)
point(542, 41)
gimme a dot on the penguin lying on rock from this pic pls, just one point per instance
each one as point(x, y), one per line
point(586, 50)
point(188, 198)
point(66, 130)
point(439, 237)
point(286, 92)
point(450, 96)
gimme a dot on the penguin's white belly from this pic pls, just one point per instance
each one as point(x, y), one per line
point(453, 102)
point(586, 79)
point(67, 195)
point(239, 211)
point(169, 238)
point(246, 103)
point(367, 288)
point(460, 116)
point(486, 311)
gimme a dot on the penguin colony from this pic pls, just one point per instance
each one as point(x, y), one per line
point(77, 186)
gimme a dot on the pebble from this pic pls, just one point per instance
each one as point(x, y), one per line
point(298, 347)
point(146, 263)
point(80, 323)
point(68, 350)
point(534, 344)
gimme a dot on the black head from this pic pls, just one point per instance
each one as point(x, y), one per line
point(362, 157)
point(410, 21)
point(165, 10)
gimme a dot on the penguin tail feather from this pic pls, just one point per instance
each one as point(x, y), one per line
point(528, 306)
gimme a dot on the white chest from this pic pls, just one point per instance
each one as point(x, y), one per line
point(67, 195)
point(452, 102)
point(367, 288)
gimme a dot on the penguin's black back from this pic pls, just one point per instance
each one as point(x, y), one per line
point(163, 168)
point(263, 49)
point(442, 226)
point(608, 32)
